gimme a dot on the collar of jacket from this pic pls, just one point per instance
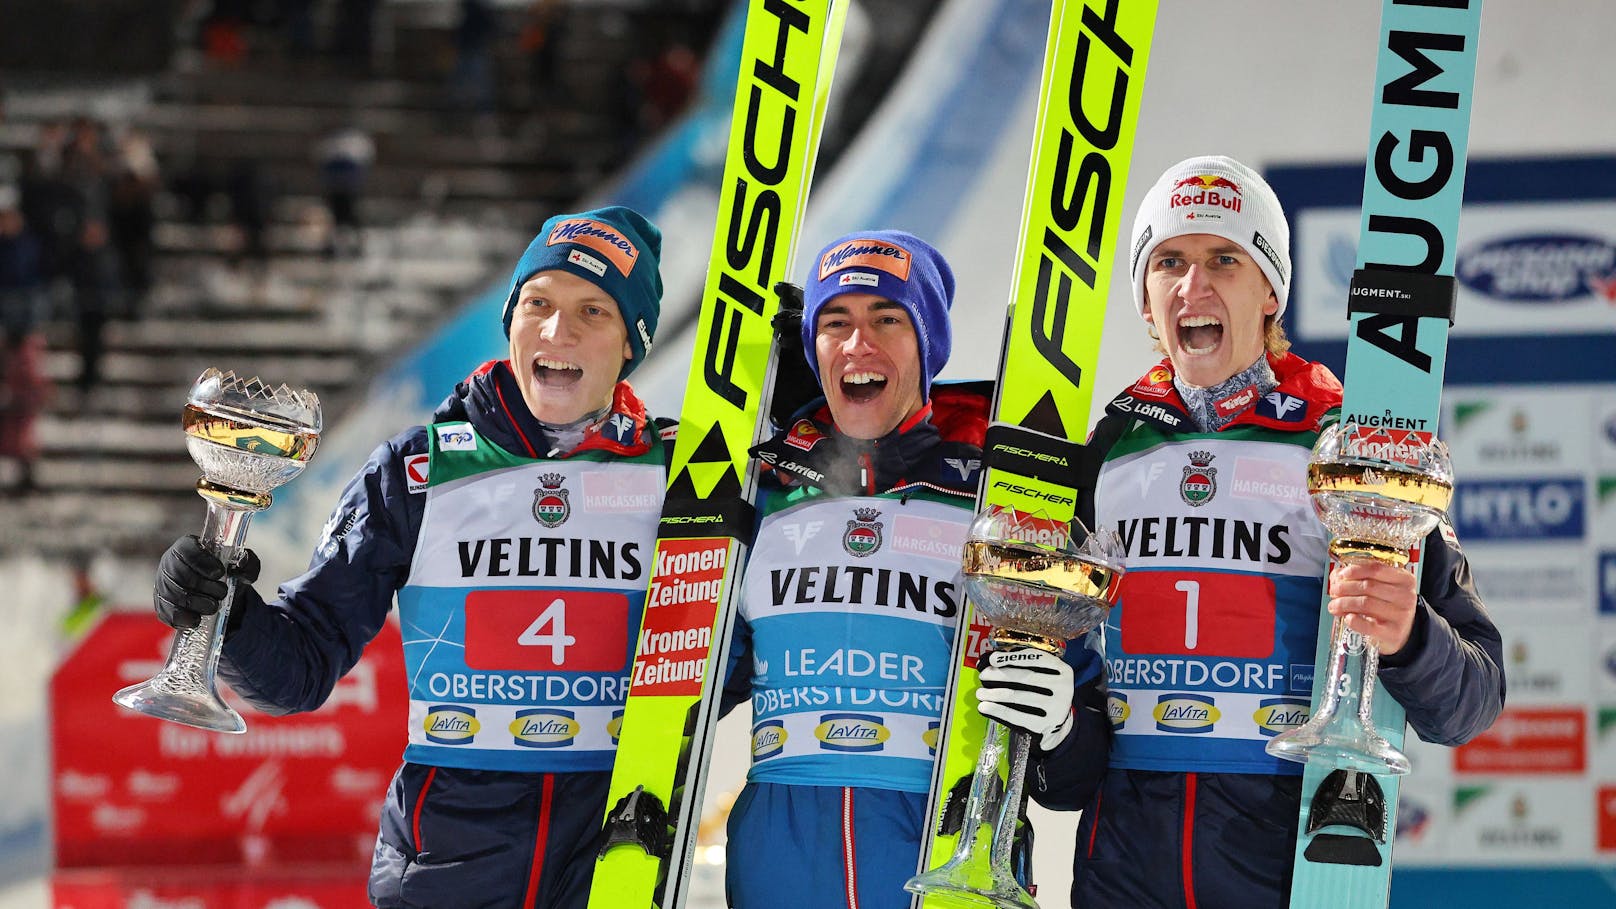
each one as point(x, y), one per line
point(491, 400)
point(940, 446)
point(1306, 391)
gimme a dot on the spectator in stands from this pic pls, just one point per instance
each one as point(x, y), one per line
point(88, 600)
point(355, 32)
point(24, 389)
point(297, 17)
point(223, 31)
point(471, 83)
point(345, 157)
point(250, 202)
point(23, 307)
point(132, 217)
point(543, 36)
point(97, 294)
point(667, 82)
point(50, 205)
point(10, 164)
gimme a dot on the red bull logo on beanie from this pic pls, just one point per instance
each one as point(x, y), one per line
point(877, 254)
point(600, 237)
point(1205, 189)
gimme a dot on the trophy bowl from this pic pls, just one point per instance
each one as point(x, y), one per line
point(1038, 588)
point(1379, 492)
point(249, 438)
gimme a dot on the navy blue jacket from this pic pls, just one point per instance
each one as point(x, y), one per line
point(1150, 838)
point(449, 837)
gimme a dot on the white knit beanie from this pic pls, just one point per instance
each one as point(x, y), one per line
point(1213, 194)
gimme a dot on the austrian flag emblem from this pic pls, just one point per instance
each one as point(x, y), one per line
point(863, 535)
point(1200, 481)
point(550, 505)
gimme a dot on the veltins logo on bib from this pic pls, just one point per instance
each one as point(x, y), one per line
point(930, 736)
point(863, 535)
point(1200, 481)
point(851, 732)
point(550, 505)
point(614, 728)
point(1186, 713)
point(1276, 715)
point(544, 727)
point(1117, 706)
point(449, 724)
point(768, 737)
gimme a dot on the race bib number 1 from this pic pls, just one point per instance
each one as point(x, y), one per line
point(1198, 613)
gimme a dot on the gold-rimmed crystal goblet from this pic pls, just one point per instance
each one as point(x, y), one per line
point(248, 438)
point(1038, 588)
point(1379, 491)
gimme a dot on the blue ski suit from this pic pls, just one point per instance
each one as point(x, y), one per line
point(842, 647)
point(1190, 811)
point(469, 523)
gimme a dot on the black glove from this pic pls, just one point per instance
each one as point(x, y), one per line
point(190, 584)
point(794, 383)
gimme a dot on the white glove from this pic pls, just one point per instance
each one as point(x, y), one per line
point(1031, 690)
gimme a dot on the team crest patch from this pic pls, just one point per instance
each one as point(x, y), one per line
point(550, 505)
point(863, 535)
point(1200, 481)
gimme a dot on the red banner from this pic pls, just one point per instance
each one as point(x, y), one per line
point(129, 790)
point(1528, 740)
point(169, 889)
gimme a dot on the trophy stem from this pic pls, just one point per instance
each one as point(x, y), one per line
point(980, 873)
point(1340, 733)
point(184, 691)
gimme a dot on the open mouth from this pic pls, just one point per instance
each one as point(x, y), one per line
point(1199, 334)
point(859, 387)
point(553, 373)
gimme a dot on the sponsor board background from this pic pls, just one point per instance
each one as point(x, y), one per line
point(1526, 814)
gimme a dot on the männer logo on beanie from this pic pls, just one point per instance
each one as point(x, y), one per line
point(600, 237)
point(863, 253)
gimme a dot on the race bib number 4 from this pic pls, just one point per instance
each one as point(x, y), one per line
point(1198, 613)
point(546, 630)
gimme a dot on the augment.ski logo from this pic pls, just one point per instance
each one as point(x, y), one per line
point(863, 535)
point(550, 505)
point(1200, 481)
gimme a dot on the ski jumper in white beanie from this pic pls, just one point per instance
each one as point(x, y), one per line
point(1212, 194)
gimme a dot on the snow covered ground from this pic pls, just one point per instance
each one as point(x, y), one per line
point(38, 595)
